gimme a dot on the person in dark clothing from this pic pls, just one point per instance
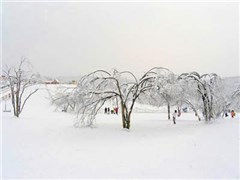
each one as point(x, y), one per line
point(174, 116)
point(112, 111)
point(108, 110)
point(226, 114)
point(105, 110)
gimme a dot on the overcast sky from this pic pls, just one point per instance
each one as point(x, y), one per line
point(66, 39)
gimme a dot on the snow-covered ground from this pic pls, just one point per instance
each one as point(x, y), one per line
point(43, 143)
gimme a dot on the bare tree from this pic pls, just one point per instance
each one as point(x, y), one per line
point(20, 79)
point(100, 86)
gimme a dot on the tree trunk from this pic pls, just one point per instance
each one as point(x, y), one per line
point(168, 107)
point(124, 125)
point(211, 107)
point(206, 112)
point(128, 122)
point(17, 104)
point(196, 113)
point(125, 118)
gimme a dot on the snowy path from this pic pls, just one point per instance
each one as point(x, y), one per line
point(44, 144)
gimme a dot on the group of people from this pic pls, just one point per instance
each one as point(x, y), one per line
point(114, 110)
point(232, 113)
point(178, 113)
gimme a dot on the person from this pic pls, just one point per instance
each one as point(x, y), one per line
point(184, 109)
point(108, 110)
point(116, 110)
point(226, 114)
point(105, 110)
point(233, 113)
point(174, 116)
point(112, 111)
point(179, 113)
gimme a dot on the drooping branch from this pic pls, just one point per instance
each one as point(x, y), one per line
point(24, 102)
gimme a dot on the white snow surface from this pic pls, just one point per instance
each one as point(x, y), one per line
point(43, 143)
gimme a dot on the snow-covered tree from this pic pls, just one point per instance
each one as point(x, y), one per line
point(100, 86)
point(235, 99)
point(166, 91)
point(189, 96)
point(207, 86)
point(64, 98)
point(21, 81)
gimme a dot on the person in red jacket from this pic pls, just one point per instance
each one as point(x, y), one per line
point(116, 110)
point(233, 114)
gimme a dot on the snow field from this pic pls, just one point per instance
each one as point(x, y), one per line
point(43, 143)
